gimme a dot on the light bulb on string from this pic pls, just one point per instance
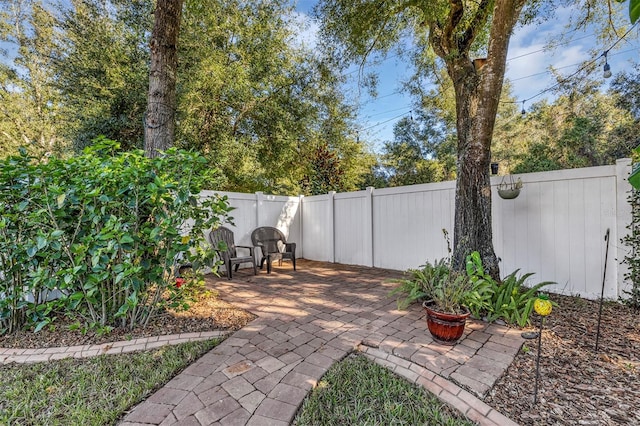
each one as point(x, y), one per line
point(607, 68)
point(523, 112)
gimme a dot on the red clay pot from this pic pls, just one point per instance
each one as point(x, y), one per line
point(444, 327)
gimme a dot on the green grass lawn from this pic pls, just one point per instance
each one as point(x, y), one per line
point(357, 391)
point(97, 391)
point(93, 391)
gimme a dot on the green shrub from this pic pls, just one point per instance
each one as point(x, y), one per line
point(512, 300)
point(478, 300)
point(104, 229)
point(417, 286)
point(632, 259)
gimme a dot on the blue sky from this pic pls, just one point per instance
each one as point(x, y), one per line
point(527, 68)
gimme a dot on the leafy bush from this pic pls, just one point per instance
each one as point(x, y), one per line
point(447, 288)
point(632, 259)
point(478, 300)
point(416, 287)
point(103, 230)
point(510, 300)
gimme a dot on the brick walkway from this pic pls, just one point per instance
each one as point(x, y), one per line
point(20, 356)
point(308, 320)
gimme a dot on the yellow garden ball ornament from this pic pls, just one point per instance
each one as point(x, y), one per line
point(542, 305)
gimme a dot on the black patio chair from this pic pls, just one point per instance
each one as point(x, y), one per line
point(274, 246)
point(230, 255)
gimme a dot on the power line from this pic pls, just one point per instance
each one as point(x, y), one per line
point(383, 122)
point(566, 66)
point(579, 70)
point(523, 101)
point(391, 110)
point(543, 49)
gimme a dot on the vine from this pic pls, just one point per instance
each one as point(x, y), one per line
point(632, 240)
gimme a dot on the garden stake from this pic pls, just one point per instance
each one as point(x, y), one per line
point(535, 391)
point(543, 307)
point(604, 275)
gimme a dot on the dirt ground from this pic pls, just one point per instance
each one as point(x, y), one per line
point(209, 313)
point(578, 386)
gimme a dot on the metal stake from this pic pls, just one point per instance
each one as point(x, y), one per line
point(535, 391)
point(604, 275)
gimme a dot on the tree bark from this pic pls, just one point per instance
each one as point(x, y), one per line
point(477, 91)
point(159, 128)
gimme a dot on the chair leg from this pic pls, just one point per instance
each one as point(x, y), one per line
point(255, 270)
point(268, 264)
point(262, 262)
point(228, 267)
point(294, 263)
point(237, 266)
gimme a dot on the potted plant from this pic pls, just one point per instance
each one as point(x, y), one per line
point(443, 292)
point(510, 189)
point(445, 309)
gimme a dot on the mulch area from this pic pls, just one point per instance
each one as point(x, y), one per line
point(209, 313)
point(577, 385)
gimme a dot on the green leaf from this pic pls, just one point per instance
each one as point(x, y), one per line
point(60, 200)
point(41, 325)
point(41, 242)
point(634, 10)
point(31, 251)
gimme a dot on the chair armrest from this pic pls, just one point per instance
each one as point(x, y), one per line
point(250, 248)
point(290, 247)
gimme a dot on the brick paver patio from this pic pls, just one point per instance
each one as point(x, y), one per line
point(309, 319)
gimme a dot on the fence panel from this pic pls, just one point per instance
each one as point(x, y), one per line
point(353, 228)
point(317, 227)
point(556, 229)
point(408, 224)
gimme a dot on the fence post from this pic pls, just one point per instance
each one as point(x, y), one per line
point(299, 213)
point(259, 204)
point(623, 219)
point(331, 227)
point(368, 226)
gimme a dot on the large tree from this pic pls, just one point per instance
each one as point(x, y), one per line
point(457, 31)
point(160, 125)
point(29, 101)
point(102, 70)
point(265, 110)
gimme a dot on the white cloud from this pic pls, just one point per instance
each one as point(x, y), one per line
point(530, 55)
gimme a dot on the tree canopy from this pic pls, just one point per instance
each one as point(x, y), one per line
point(470, 40)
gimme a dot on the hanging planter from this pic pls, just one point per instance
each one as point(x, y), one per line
point(510, 189)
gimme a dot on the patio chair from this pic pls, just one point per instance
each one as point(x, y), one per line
point(274, 246)
point(230, 255)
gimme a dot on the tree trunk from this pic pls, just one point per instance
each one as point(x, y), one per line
point(160, 117)
point(472, 228)
point(478, 87)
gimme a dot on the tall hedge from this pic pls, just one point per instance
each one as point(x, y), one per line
point(103, 230)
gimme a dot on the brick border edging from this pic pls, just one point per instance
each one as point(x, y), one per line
point(26, 356)
point(464, 402)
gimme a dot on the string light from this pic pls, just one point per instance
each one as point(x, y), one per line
point(607, 67)
point(606, 74)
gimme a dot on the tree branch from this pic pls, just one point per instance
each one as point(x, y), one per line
point(455, 16)
point(477, 23)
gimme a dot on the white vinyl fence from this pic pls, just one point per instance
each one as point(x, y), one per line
point(555, 228)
